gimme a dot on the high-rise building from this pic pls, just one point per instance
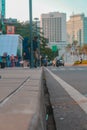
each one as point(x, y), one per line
point(2, 8)
point(53, 25)
point(77, 29)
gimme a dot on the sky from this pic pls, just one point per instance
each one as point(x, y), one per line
point(20, 8)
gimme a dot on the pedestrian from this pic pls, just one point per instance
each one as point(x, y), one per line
point(25, 60)
point(8, 61)
point(12, 59)
point(80, 60)
point(0, 61)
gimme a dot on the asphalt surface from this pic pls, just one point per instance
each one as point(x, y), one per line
point(69, 114)
point(76, 76)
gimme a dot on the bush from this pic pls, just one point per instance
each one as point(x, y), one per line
point(78, 62)
point(84, 62)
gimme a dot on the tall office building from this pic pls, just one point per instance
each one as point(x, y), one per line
point(2, 8)
point(53, 25)
point(77, 29)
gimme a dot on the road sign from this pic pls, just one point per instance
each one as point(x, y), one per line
point(54, 48)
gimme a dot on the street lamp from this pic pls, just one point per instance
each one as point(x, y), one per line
point(36, 19)
point(31, 39)
point(2, 28)
point(37, 34)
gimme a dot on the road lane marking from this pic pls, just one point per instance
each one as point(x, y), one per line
point(76, 95)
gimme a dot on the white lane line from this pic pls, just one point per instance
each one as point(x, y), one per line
point(76, 95)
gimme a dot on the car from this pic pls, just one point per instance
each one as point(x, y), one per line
point(49, 63)
point(45, 62)
point(60, 62)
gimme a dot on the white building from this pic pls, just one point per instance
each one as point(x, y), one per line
point(53, 25)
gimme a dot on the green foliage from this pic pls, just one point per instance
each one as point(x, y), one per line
point(78, 62)
point(84, 48)
point(0, 25)
point(22, 28)
point(75, 42)
point(68, 46)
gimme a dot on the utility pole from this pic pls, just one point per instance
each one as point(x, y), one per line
point(31, 37)
point(3, 27)
point(73, 35)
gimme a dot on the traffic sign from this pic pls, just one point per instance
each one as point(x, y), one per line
point(54, 48)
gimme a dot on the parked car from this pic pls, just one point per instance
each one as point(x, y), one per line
point(45, 62)
point(49, 63)
point(60, 62)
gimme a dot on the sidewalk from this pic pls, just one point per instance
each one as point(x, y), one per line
point(82, 65)
point(20, 99)
point(66, 64)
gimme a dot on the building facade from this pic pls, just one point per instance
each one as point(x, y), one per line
point(2, 8)
point(53, 25)
point(77, 29)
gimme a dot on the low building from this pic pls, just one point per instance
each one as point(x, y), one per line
point(11, 44)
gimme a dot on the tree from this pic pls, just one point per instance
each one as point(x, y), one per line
point(75, 42)
point(22, 28)
point(84, 49)
point(68, 47)
point(2, 27)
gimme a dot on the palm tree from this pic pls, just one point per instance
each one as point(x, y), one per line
point(68, 47)
point(75, 42)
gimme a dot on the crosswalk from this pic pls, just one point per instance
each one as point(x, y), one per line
point(69, 68)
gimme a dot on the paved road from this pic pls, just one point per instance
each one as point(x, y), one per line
point(68, 94)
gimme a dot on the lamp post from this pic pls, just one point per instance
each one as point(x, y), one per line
point(36, 19)
point(31, 39)
point(2, 29)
